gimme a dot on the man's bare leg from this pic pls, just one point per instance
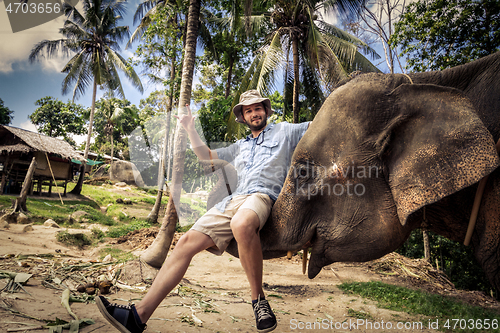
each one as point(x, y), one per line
point(245, 225)
point(172, 271)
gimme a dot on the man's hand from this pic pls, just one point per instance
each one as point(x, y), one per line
point(199, 147)
point(187, 120)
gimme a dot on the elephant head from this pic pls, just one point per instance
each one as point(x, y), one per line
point(379, 151)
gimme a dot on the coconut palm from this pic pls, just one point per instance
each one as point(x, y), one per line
point(157, 252)
point(93, 35)
point(118, 117)
point(321, 53)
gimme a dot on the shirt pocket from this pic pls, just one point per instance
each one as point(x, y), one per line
point(269, 148)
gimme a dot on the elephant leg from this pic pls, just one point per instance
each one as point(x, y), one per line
point(486, 238)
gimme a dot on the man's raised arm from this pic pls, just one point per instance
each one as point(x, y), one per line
point(199, 147)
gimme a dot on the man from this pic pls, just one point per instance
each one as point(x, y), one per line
point(261, 160)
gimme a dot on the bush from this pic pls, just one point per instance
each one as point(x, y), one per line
point(78, 239)
point(455, 259)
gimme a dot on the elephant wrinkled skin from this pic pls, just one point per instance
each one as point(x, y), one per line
point(383, 150)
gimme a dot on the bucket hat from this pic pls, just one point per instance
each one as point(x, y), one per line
point(250, 97)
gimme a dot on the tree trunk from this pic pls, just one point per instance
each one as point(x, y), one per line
point(20, 204)
point(155, 255)
point(427, 246)
point(155, 212)
point(229, 76)
point(5, 174)
point(111, 163)
point(79, 184)
point(296, 78)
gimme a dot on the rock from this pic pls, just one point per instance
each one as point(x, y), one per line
point(4, 224)
point(9, 218)
point(90, 291)
point(104, 287)
point(121, 171)
point(127, 201)
point(79, 216)
point(27, 228)
point(51, 223)
point(107, 258)
point(22, 219)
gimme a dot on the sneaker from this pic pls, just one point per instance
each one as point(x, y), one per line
point(123, 317)
point(264, 316)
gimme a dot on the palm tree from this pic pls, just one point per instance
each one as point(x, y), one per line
point(155, 255)
point(116, 114)
point(321, 53)
point(93, 35)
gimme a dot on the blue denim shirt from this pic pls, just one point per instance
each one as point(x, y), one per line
point(262, 163)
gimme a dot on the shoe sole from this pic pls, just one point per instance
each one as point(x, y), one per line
point(268, 329)
point(109, 318)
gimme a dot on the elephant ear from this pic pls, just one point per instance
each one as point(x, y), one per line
point(435, 145)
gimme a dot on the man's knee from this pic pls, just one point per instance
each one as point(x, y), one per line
point(193, 241)
point(245, 222)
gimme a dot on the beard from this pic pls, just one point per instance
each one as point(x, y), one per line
point(258, 126)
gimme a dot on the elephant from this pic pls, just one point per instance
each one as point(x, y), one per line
point(389, 153)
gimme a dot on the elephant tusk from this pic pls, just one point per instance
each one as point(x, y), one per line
point(289, 255)
point(304, 261)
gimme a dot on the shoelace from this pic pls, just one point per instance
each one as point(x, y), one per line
point(263, 311)
point(121, 306)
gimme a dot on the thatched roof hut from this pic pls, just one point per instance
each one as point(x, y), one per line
point(14, 139)
point(55, 159)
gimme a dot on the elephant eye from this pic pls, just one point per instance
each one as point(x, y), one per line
point(303, 173)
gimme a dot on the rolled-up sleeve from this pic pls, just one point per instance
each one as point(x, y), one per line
point(296, 132)
point(228, 154)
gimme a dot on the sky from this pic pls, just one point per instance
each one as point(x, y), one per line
point(22, 83)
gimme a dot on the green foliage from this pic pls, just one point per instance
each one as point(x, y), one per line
point(435, 35)
point(6, 114)
point(119, 113)
point(119, 255)
point(161, 45)
point(298, 37)
point(213, 118)
point(98, 233)
point(455, 259)
point(79, 240)
point(114, 120)
point(122, 230)
point(55, 118)
point(417, 302)
point(40, 210)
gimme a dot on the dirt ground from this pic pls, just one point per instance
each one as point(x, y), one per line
point(213, 297)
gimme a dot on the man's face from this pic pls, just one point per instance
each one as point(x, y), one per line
point(255, 116)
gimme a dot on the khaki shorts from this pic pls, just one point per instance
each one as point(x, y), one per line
point(216, 225)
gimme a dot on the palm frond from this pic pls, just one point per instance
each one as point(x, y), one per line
point(144, 9)
point(330, 29)
point(345, 8)
point(51, 48)
point(271, 62)
point(117, 60)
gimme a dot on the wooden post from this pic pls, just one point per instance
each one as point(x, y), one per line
point(5, 174)
point(20, 204)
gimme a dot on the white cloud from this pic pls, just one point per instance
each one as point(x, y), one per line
point(16, 47)
point(28, 125)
